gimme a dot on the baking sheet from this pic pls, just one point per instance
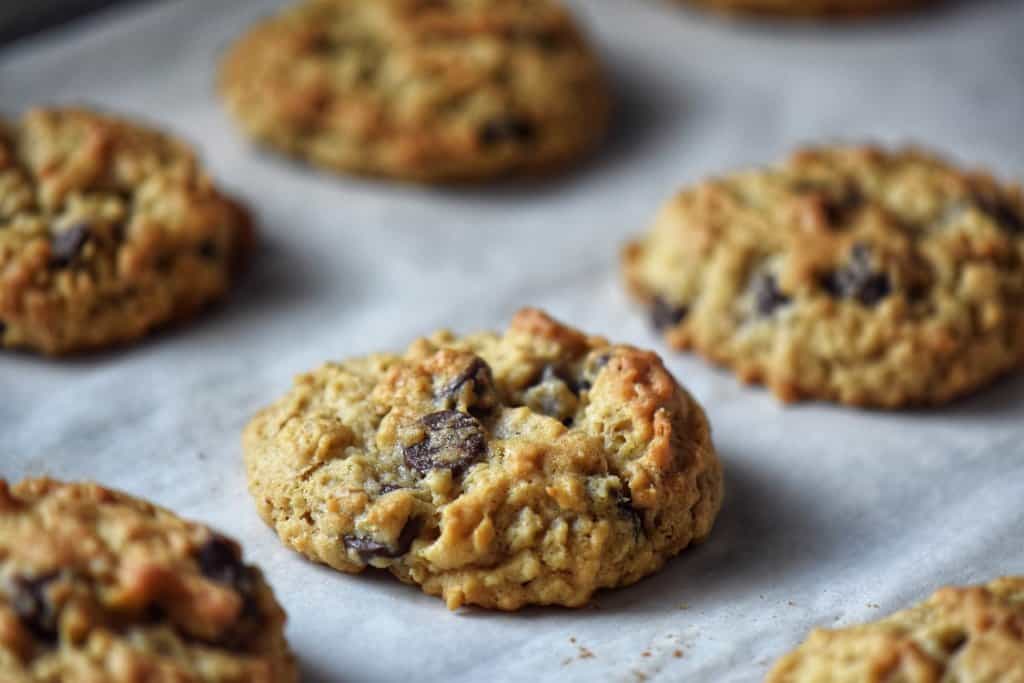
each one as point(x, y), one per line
point(832, 516)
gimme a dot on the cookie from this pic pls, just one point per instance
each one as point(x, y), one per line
point(98, 586)
point(107, 230)
point(959, 634)
point(809, 8)
point(854, 274)
point(422, 90)
point(530, 468)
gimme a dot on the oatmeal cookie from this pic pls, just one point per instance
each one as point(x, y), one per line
point(98, 586)
point(107, 230)
point(530, 468)
point(869, 277)
point(423, 90)
point(959, 635)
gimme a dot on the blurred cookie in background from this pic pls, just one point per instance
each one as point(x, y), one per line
point(420, 90)
point(96, 585)
point(854, 274)
point(959, 634)
point(108, 229)
point(809, 8)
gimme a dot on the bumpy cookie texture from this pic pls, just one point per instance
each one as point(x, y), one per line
point(959, 635)
point(107, 230)
point(867, 277)
point(424, 90)
point(530, 468)
point(809, 8)
point(97, 586)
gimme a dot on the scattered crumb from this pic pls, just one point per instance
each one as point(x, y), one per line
point(872, 605)
point(585, 653)
point(678, 654)
point(791, 603)
point(572, 640)
point(640, 676)
point(645, 653)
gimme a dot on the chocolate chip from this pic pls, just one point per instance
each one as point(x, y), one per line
point(507, 129)
point(664, 315)
point(858, 279)
point(767, 295)
point(1003, 213)
point(66, 245)
point(388, 488)
point(34, 609)
point(209, 250)
point(368, 549)
point(624, 503)
point(592, 367)
point(219, 560)
point(454, 441)
point(473, 387)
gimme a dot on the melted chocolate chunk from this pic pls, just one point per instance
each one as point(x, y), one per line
point(478, 379)
point(209, 250)
point(625, 505)
point(665, 315)
point(592, 367)
point(1008, 218)
point(767, 295)
point(34, 609)
point(220, 561)
point(510, 128)
point(67, 244)
point(369, 549)
point(858, 279)
point(454, 441)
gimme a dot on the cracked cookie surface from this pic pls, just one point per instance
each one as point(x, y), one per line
point(423, 90)
point(809, 8)
point(96, 585)
point(853, 274)
point(107, 230)
point(959, 635)
point(534, 467)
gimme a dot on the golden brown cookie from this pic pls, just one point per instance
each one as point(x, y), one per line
point(809, 8)
point(530, 468)
point(853, 274)
point(959, 635)
point(107, 230)
point(98, 586)
point(425, 90)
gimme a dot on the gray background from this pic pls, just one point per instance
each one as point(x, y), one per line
point(832, 516)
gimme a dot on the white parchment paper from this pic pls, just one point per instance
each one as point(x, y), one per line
point(832, 516)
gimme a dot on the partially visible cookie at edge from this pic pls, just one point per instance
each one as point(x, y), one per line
point(420, 90)
point(96, 585)
point(534, 467)
point(108, 229)
point(828, 9)
point(963, 634)
point(869, 277)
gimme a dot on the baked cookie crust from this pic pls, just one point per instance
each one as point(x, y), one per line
point(832, 9)
point(420, 90)
point(96, 585)
point(530, 468)
point(868, 277)
point(107, 230)
point(959, 635)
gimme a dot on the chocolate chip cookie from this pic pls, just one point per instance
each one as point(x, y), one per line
point(423, 90)
point(530, 468)
point(869, 277)
point(957, 635)
point(98, 586)
point(107, 230)
point(809, 8)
